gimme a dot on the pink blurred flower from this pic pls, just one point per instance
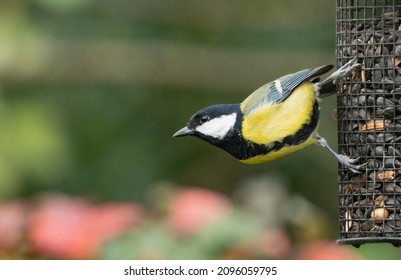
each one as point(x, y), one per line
point(274, 243)
point(12, 224)
point(72, 228)
point(192, 209)
point(326, 250)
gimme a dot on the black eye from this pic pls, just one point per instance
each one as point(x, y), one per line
point(204, 118)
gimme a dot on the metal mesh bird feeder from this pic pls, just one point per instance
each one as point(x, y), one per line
point(369, 120)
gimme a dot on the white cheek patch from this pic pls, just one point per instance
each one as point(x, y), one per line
point(218, 127)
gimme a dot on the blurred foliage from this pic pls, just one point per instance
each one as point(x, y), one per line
point(91, 92)
point(33, 146)
point(190, 223)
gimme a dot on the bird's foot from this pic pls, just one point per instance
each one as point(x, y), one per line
point(341, 72)
point(349, 163)
point(345, 70)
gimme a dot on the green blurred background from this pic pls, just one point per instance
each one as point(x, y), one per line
point(91, 92)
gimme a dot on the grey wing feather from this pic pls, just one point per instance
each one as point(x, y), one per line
point(278, 90)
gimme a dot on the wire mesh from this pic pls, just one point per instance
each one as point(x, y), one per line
point(369, 120)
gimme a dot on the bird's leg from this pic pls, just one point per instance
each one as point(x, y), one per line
point(335, 78)
point(343, 159)
point(340, 73)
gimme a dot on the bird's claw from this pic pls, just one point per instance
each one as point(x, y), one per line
point(349, 163)
point(344, 70)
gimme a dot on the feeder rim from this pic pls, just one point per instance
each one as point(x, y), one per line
point(396, 241)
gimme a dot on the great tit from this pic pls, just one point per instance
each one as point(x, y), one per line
point(277, 119)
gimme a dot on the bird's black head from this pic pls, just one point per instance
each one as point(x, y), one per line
point(214, 124)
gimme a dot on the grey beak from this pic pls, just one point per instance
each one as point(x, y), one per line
point(183, 132)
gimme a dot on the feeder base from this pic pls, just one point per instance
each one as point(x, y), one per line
point(356, 242)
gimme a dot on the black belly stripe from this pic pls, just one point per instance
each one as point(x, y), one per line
point(244, 150)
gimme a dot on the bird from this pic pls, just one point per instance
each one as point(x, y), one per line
point(278, 119)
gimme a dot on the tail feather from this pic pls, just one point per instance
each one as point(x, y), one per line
point(327, 90)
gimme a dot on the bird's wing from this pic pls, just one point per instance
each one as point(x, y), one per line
point(278, 90)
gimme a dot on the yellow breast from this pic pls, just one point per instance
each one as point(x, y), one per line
point(273, 122)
